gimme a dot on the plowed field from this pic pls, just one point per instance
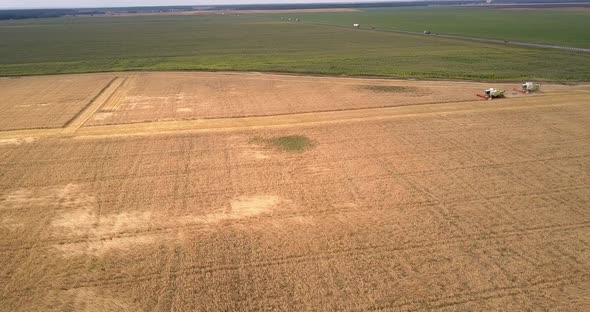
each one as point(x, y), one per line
point(464, 205)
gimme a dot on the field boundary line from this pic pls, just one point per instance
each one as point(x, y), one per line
point(331, 254)
point(99, 100)
point(373, 250)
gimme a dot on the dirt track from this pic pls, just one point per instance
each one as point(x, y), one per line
point(472, 206)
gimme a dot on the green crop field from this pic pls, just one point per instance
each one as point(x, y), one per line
point(264, 43)
point(557, 27)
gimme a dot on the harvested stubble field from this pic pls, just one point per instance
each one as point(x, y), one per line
point(471, 206)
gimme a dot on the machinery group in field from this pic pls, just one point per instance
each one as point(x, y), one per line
point(525, 88)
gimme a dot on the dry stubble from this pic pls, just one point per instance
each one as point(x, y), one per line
point(459, 210)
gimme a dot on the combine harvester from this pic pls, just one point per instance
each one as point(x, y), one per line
point(492, 93)
point(528, 87)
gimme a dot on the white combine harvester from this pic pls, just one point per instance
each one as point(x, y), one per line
point(529, 87)
point(492, 93)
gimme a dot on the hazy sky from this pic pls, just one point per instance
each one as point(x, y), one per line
point(110, 3)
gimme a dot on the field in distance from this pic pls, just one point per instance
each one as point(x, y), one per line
point(252, 42)
point(466, 205)
point(555, 26)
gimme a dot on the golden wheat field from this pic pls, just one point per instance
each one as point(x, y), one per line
point(46, 102)
point(145, 97)
point(292, 193)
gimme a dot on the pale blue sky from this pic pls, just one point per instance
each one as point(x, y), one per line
point(4, 4)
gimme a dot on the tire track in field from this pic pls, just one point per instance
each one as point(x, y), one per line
point(330, 254)
point(167, 229)
point(320, 212)
point(99, 100)
point(375, 177)
point(132, 154)
point(438, 302)
point(90, 102)
point(163, 230)
point(115, 99)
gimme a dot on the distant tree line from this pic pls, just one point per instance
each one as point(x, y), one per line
point(48, 13)
point(44, 13)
